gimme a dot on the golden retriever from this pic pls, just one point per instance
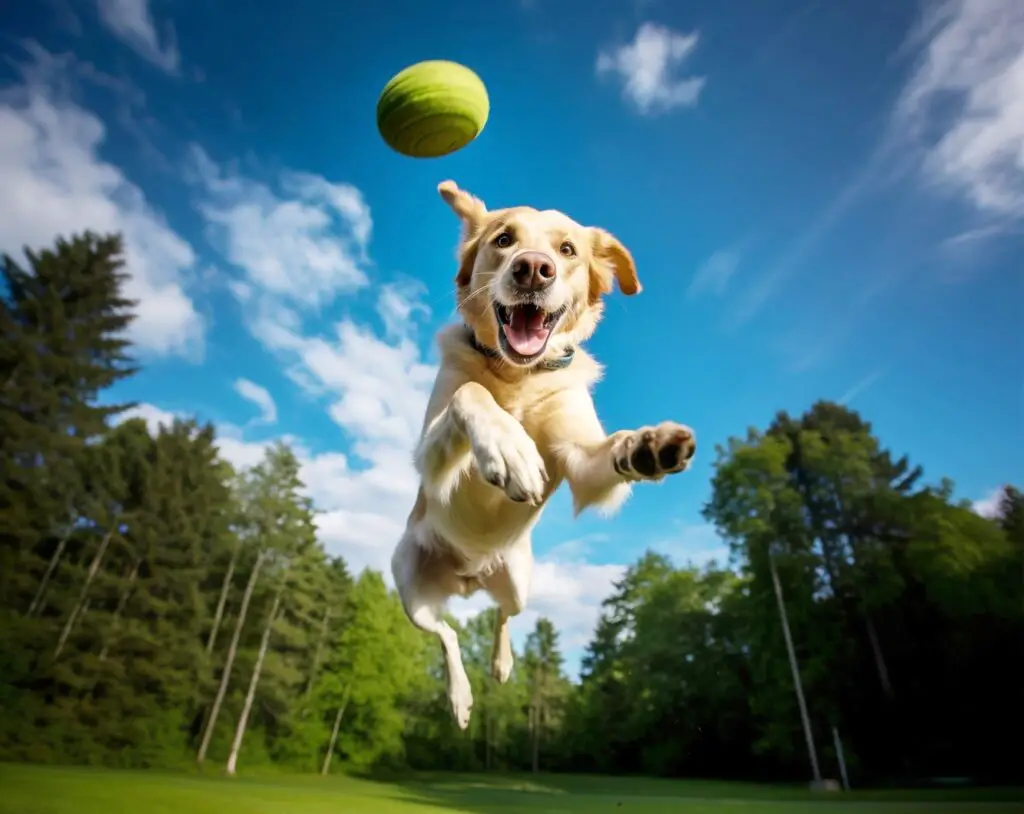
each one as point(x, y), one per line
point(511, 416)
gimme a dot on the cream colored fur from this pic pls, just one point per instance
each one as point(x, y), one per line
point(500, 436)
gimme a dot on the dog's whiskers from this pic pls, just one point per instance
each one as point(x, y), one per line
point(473, 294)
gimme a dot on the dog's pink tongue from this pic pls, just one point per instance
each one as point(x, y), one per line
point(526, 332)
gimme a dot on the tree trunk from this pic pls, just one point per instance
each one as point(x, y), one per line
point(243, 719)
point(334, 734)
point(318, 654)
point(876, 649)
point(805, 718)
point(51, 568)
point(224, 588)
point(83, 594)
point(225, 677)
point(122, 602)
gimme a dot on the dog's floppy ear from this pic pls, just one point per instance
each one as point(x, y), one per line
point(469, 208)
point(611, 260)
point(471, 211)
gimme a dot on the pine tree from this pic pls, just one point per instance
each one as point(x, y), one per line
point(62, 344)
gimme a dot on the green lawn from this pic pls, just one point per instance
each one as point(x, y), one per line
point(44, 790)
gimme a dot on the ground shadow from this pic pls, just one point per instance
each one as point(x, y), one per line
point(506, 793)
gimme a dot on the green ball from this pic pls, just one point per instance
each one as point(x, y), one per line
point(432, 108)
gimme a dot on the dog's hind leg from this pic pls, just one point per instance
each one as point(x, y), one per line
point(509, 586)
point(425, 579)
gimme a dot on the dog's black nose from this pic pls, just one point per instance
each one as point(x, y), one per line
point(533, 271)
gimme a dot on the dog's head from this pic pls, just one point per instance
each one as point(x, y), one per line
point(530, 283)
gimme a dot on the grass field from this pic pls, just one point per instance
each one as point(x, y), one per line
point(46, 790)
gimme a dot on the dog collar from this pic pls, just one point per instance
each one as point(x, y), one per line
point(548, 364)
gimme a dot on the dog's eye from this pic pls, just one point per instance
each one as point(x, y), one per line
point(504, 240)
point(567, 249)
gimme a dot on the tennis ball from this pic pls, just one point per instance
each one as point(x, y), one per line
point(432, 108)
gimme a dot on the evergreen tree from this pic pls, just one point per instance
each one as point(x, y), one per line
point(62, 343)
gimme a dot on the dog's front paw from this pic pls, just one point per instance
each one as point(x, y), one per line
point(508, 458)
point(650, 453)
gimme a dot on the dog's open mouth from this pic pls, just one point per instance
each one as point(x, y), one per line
point(525, 329)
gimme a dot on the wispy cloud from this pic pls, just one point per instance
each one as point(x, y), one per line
point(862, 386)
point(957, 124)
point(760, 291)
point(648, 69)
point(304, 241)
point(131, 21)
point(963, 107)
point(714, 275)
point(259, 396)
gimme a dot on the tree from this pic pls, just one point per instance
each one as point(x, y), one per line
point(875, 570)
point(542, 663)
point(282, 521)
point(62, 343)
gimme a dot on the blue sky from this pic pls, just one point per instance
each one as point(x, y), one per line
point(824, 199)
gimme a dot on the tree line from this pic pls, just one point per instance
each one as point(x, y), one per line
point(160, 609)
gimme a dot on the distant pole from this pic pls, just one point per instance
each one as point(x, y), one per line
point(842, 759)
point(811, 752)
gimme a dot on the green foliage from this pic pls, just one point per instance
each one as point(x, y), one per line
point(157, 607)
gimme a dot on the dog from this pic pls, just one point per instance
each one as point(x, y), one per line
point(511, 417)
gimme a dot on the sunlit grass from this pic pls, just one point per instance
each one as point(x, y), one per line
point(48, 790)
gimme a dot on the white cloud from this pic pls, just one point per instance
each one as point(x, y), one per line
point(56, 183)
point(398, 304)
point(378, 393)
point(964, 103)
point(647, 68)
point(713, 277)
point(259, 396)
point(300, 247)
point(132, 22)
point(154, 416)
point(990, 505)
point(305, 245)
point(861, 386)
point(695, 544)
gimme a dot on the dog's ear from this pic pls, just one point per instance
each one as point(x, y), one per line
point(467, 259)
point(472, 212)
point(611, 260)
point(469, 208)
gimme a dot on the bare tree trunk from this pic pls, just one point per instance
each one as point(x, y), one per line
point(51, 568)
point(224, 588)
point(122, 602)
point(334, 734)
point(805, 718)
point(82, 596)
point(876, 649)
point(225, 677)
point(319, 650)
point(243, 719)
